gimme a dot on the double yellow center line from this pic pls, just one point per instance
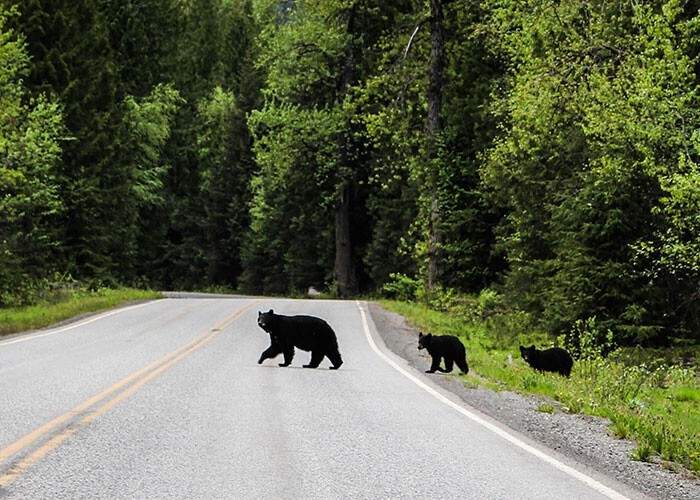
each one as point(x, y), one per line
point(28, 450)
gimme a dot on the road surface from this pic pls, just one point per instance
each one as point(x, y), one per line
point(165, 400)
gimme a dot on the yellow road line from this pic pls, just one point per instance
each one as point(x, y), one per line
point(47, 427)
point(112, 397)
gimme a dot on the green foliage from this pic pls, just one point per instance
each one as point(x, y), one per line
point(311, 145)
point(147, 124)
point(77, 67)
point(290, 239)
point(30, 133)
point(302, 54)
point(224, 152)
point(401, 288)
point(195, 239)
point(131, 200)
point(593, 130)
point(391, 206)
point(141, 34)
point(585, 340)
point(137, 188)
point(288, 245)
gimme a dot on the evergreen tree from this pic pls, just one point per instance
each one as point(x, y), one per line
point(226, 166)
point(199, 228)
point(466, 219)
point(142, 35)
point(427, 166)
point(69, 44)
point(144, 132)
point(30, 205)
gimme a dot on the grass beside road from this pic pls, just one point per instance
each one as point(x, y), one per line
point(20, 319)
point(650, 396)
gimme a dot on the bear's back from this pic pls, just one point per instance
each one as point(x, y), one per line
point(446, 344)
point(555, 359)
point(305, 332)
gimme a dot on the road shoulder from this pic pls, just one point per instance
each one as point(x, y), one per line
point(583, 438)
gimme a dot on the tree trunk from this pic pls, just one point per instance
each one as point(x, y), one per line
point(434, 126)
point(344, 272)
point(437, 63)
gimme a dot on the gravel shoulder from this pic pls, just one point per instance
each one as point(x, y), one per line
point(584, 439)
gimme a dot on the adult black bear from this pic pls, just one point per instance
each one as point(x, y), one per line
point(308, 333)
point(444, 346)
point(555, 359)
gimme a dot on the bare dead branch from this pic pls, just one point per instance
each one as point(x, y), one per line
point(410, 40)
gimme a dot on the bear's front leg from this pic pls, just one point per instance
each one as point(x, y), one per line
point(435, 365)
point(269, 353)
point(448, 366)
point(288, 356)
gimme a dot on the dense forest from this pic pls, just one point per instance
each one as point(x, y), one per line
point(543, 150)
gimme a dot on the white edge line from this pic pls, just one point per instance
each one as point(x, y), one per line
point(77, 324)
point(599, 487)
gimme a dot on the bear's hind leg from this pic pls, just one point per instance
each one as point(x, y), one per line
point(316, 358)
point(448, 365)
point(462, 363)
point(335, 358)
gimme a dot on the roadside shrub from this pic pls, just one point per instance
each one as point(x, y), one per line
point(438, 298)
point(586, 341)
point(401, 287)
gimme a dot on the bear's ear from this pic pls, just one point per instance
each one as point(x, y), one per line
point(270, 312)
point(420, 335)
point(522, 349)
point(259, 313)
point(532, 347)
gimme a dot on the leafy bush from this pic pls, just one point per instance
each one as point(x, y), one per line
point(586, 341)
point(401, 287)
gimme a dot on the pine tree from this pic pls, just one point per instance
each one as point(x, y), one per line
point(30, 204)
point(69, 44)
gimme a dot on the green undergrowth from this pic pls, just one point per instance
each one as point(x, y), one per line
point(69, 304)
point(648, 396)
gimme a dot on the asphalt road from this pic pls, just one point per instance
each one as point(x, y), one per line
point(165, 400)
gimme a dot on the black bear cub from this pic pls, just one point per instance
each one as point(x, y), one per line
point(308, 333)
point(555, 359)
point(444, 346)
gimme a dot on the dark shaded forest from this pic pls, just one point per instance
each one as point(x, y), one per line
point(541, 151)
